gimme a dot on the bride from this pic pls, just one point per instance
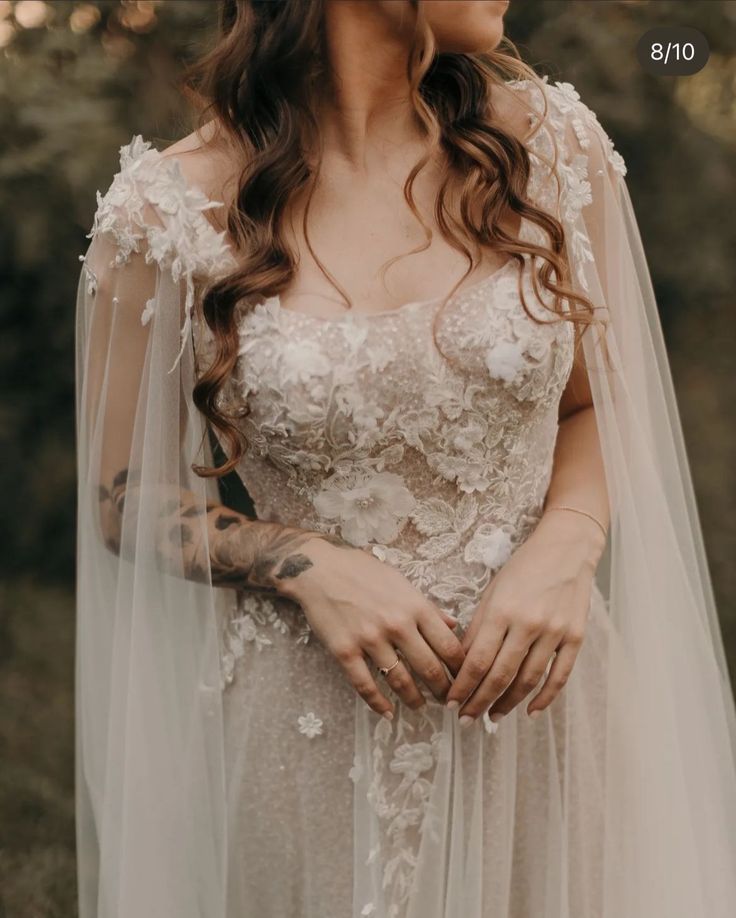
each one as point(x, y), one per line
point(461, 657)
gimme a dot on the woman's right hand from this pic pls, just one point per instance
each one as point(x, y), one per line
point(359, 606)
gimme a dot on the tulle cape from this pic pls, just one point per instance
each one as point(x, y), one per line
point(152, 816)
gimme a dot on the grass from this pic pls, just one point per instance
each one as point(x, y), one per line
point(37, 869)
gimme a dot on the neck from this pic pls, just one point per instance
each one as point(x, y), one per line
point(366, 102)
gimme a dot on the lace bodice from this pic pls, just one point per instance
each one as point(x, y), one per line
point(439, 465)
point(358, 426)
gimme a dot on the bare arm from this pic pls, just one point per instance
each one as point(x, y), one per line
point(578, 477)
point(239, 552)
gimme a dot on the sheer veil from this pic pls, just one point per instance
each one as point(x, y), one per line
point(151, 792)
point(670, 814)
point(150, 777)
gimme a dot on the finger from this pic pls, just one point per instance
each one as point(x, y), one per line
point(401, 680)
point(559, 673)
point(471, 632)
point(478, 660)
point(442, 641)
point(477, 619)
point(448, 619)
point(530, 674)
point(426, 664)
point(361, 679)
point(499, 676)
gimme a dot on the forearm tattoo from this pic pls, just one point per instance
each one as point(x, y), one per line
point(207, 543)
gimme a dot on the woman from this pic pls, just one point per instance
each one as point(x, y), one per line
point(421, 678)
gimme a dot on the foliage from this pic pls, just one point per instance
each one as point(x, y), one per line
point(67, 102)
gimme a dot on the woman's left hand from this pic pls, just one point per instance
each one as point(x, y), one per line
point(535, 607)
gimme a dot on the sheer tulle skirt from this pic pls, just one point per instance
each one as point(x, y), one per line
point(427, 819)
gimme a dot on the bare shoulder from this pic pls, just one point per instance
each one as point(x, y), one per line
point(514, 107)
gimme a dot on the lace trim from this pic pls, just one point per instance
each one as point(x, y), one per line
point(568, 108)
point(255, 621)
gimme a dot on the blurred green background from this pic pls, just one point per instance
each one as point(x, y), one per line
point(77, 79)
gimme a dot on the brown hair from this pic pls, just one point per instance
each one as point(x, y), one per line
point(259, 84)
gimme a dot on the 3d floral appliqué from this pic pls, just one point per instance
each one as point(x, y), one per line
point(490, 546)
point(310, 725)
point(370, 508)
point(505, 360)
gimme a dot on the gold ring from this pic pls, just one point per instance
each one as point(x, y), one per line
point(385, 670)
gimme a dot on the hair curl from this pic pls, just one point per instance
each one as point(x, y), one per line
point(260, 83)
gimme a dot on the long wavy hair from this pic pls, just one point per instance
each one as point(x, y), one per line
point(260, 84)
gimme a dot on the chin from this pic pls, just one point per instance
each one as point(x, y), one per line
point(466, 26)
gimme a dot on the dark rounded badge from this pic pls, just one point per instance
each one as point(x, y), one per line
point(673, 51)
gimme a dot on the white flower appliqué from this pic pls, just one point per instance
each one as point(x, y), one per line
point(617, 161)
point(310, 725)
point(357, 771)
point(302, 360)
point(412, 760)
point(148, 311)
point(372, 508)
point(505, 360)
point(489, 546)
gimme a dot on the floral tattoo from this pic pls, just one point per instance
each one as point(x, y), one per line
point(237, 551)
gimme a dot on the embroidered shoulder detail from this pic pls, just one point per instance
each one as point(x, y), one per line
point(563, 146)
point(565, 110)
point(150, 201)
point(151, 205)
point(567, 101)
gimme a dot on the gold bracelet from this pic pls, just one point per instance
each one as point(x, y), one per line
point(583, 513)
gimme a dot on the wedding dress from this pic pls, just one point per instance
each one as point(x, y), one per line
point(225, 768)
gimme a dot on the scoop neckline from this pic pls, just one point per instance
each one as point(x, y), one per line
point(353, 315)
point(350, 314)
